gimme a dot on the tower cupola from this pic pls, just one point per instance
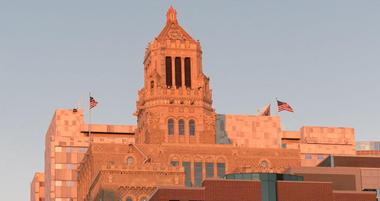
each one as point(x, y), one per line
point(176, 92)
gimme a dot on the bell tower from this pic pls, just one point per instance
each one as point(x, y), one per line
point(175, 104)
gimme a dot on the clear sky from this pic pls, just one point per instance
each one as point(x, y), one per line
point(322, 57)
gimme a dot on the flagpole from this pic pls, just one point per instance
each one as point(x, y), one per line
point(277, 107)
point(89, 114)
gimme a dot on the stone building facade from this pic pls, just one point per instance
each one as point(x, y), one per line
point(37, 187)
point(179, 139)
point(66, 143)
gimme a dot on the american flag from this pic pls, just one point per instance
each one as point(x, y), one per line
point(93, 102)
point(284, 106)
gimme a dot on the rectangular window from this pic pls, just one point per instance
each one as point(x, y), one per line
point(58, 149)
point(168, 63)
point(221, 169)
point(308, 156)
point(320, 157)
point(82, 150)
point(70, 183)
point(187, 73)
point(59, 166)
point(71, 166)
point(198, 173)
point(209, 170)
point(178, 72)
point(187, 167)
point(58, 183)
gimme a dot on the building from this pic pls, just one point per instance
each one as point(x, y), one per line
point(66, 143)
point(37, 187)
point(368, 148)
point(259, 190)
point(179, 142)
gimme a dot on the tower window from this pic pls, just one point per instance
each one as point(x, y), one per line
point(152, 84)
point(191, 127)
point(181, 127)
point(130, 160)
point(168, 62)
point(170, 127)
point(178, 72)
point(129, 199)
point(187, 72)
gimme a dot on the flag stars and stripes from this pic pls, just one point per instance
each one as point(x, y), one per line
point(93, 102)
point(283, 106)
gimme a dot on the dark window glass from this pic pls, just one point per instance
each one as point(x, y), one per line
point(169, 79)
point(170, 126)
point(181, 127)
point(129, 199)
point(178, 72)
point(221, 167)
point(198, 173)
point(152, 84)
point(209, 170)
point(192, 127)
point(187, 72)
point(187, 167)
point(174, 163)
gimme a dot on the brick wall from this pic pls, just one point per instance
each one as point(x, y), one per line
point(228, 190)
point(354, 196)
point(304, 191)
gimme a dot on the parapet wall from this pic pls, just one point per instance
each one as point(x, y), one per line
point(327, 135)
point(249, 131)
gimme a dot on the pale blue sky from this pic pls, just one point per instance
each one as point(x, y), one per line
point(322, 57)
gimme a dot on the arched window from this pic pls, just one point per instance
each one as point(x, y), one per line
point(170, 127)
point(130, 160)
point(178, 72)
point(191, 127)
point(187, 72)
point(168, 64)
point(129, 199)
point(181, 127)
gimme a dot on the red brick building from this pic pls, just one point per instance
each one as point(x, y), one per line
point(180, 142)
point(233, 190)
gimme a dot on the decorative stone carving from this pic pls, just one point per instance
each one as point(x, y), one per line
point(175, 34)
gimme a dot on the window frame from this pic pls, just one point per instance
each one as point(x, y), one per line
point(170, 126)
point(181, 127)
point(192, 127)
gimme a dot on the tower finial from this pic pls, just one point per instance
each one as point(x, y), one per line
point(171, 15)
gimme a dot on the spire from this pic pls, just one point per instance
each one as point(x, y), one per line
point(171, 15)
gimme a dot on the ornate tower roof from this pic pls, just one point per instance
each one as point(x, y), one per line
point(172, 29)
point(175, 104)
